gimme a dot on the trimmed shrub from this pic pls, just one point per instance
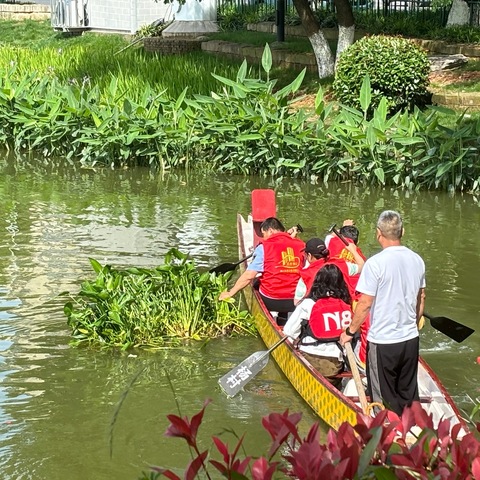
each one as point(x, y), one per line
point(398, 70)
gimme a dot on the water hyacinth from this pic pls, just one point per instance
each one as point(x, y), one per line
point(140, 307)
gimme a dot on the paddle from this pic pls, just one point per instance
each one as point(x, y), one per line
point(337, 233)
point(239, 376)
point(356, 377)
point(227, 267)
point(456, 331)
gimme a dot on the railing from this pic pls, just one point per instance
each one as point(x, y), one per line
point(474, 18)
point(266, 8)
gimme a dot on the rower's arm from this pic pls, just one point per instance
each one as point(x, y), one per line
point(420, 304)
point(243, 280)
point(352, 248)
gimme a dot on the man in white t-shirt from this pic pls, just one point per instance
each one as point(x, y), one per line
point(392, 287)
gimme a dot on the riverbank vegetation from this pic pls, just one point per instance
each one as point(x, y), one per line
point(90, 106)
point(153, 308)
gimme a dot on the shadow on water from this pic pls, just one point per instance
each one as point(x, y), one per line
point(57, 402)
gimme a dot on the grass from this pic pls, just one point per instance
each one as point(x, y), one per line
point(96, 57)
point(38, 35)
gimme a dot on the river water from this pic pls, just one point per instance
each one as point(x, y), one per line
point(77, 413)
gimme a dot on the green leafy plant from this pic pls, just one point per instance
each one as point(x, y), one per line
point(397, 70)
point(140, 307)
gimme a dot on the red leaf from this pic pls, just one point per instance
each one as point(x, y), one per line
point(179, 427)
point(242, 466)
point(197, 419)
point(280, 426)
point(219, 466)
point(222, 448)
point(166, 473)
point(183, 428)
point(235, 452)
point(195, 465)
point(262, 469)
point(476, 468)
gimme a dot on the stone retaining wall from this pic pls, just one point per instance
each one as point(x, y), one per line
point(171, 46)
point(253, 54)
point(30, 11)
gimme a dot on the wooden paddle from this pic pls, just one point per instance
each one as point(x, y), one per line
point(356, 377)
point(228, 267)
point(456, 331)
point(238, 377)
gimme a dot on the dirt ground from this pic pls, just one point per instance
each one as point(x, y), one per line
point(443, 78)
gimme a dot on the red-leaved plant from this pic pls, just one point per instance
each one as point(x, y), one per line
point(377, 447)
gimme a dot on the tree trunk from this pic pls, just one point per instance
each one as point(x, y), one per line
point(459, 13)
point(321, 48)
point(346, 26)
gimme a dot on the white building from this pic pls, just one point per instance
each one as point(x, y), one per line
point(120, 16)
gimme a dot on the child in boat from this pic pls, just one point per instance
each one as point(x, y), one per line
point(319, 320)
point(316, 254)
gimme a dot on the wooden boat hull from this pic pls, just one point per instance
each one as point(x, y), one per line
point(332, 405)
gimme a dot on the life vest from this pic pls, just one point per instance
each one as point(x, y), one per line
point(283, 259)
point(337, 249)
point(328, 319)
point(308, 274)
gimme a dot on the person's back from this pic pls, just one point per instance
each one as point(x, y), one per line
point(398, 275)
point(281, 265)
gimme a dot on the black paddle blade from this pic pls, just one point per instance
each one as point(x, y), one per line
point(456, 331)
point(224, 268)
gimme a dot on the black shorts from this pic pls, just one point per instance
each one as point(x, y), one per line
point(282, 306)
point(392, 373)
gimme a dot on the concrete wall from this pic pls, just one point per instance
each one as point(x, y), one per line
point(23, 12)
point(121, 16)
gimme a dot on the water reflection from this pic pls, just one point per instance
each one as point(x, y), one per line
point(57, 403)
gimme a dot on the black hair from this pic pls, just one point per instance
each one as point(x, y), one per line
point(329, 282)
point(322, 252)
point(350, 231)
point(273, 223)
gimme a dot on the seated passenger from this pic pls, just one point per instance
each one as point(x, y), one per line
point(316, 254)
point(319, 320)
point(279, 259)
point(350, 270)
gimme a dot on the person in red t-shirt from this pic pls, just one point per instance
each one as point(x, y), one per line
point(279, 259)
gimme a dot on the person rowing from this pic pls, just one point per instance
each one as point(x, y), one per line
point(278, 258)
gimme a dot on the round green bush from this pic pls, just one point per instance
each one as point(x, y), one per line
point(397, 67)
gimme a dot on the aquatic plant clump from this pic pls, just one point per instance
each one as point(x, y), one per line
point(140, 307)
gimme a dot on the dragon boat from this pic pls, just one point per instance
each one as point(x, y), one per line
point(334, 406)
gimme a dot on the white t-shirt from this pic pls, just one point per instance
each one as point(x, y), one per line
point(293, 327)
point(394, 277)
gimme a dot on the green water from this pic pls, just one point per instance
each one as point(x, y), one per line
point(58, 404)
